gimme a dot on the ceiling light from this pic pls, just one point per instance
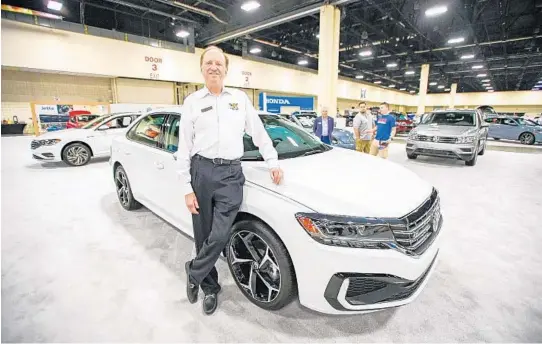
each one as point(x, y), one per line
point(409, 72)
point(250, 6)
point(54, 5)
point(440, 86)
point(468, 56)
point(486, 80)
point(447, 89)
point(485, 85)
point(182, 34)
point(435, 11)
point(391, 65)
point(481, 75)
point(318, 36)
point(402, 89)
point(359, 76)
point(365, 53)
point(477, 66)
point(490, 91)
point(391, 86)
point(456, 40)
point(378, 82)
point(432, 83)
point(303, 62)
point(255, 50)
point(412, 91)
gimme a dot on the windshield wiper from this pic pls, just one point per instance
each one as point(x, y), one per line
point(252, 158)
point(316, 151)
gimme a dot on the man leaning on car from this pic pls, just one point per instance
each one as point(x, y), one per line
point(213, 122)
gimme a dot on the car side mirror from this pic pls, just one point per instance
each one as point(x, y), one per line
point(103, 127)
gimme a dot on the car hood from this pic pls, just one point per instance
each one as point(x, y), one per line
point(64, 134)
point(444, 130)
point(345, 182)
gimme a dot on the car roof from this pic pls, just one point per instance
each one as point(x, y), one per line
point(454, 110)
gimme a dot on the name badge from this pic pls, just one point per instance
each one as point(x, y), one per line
point(206, 109)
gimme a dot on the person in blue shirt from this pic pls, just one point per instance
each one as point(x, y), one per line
point(385, 131)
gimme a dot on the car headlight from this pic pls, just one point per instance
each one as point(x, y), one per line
point(465, 139)
point(48, 142)
point(349, 231)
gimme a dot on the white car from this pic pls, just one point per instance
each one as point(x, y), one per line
point(341, 232)
point(77, 146)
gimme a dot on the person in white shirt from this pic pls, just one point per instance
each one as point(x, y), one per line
point(363, 122)
point(213, 122)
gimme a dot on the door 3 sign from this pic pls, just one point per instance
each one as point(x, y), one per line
point(154, 63)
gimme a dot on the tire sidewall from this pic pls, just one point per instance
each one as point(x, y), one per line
point(68, 147)
point(288, 287)
point(130, 204)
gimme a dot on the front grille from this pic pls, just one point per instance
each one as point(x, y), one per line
point(35, 144)
point(435, 152)
point(359, 286)
point(439, 139)
point(422, 225)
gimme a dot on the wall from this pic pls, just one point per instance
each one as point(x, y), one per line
point(138, 91)
point(80, 53)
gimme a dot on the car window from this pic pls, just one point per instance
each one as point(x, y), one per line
point(450, 118)
point(171, 140)
point(288, 139)
point(524, 121)
point(148, 131)
point(119, 122)
point(509, 121)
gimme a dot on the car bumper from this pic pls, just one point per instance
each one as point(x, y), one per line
point(47, 153)
point(343, 280)
point(442, 150)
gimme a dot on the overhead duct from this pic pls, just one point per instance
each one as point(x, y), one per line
point(193, 9)
point(142, 8)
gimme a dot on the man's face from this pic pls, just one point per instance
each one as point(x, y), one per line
point(384, 109)
point(362, 108)
point(324, 112)
point(214, 67)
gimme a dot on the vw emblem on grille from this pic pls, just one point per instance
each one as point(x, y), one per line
point(435, 220)
point(435, 138)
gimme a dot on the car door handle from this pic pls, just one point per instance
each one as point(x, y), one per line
point(159, 165)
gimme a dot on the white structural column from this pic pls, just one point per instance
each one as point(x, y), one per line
point(424, 78)
point(453, 92)
point(328, 57)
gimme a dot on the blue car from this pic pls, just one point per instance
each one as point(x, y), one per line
point(514, 128)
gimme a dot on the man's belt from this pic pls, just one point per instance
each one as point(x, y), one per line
point(219, 161)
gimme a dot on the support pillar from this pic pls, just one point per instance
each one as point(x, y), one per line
point(424, 79)
point(328, 57)
point(453, 92)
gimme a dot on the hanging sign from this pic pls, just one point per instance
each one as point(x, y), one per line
point(154, 63)
point(246, 78)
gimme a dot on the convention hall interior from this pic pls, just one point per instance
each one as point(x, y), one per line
point(271, 171)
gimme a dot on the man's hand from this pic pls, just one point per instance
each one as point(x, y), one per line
point(276, 175)
point(192, 203)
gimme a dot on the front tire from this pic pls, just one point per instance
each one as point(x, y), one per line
point(76, 154)
point(411, 156)
point(261, 265)
point(483, 151)
point(473, 161)
point(124, 190)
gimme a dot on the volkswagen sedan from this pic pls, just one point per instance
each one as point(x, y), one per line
point(311, 237)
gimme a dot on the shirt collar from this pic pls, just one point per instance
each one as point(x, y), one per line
point(205, 91)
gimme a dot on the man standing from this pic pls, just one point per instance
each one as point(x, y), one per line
point(212, 126)
point(323, 126)
point(385, 131)
point(363, 124)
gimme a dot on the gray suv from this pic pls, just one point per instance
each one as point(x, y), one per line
point(454, 134)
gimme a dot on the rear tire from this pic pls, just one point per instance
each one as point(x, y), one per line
point(124, 190)
point(261, 265)
point(527, 138)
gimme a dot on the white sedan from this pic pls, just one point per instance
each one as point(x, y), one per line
point(77, 146)
point(341, 232)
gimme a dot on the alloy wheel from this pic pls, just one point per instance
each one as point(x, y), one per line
point(526, 138)
point(255, 266)
point(77, 155)
point(123, 188)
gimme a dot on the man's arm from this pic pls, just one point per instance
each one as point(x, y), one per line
point(394, 128)
point(254, 127)
point(186, 142)
point(356, 124)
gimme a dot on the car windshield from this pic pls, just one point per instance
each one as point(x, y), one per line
point(450, 118)
point(306, 119)
point(524, 121)
point(343, 136)
point(289, 140)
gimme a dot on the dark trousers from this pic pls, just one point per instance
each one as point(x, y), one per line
point(325, 139)
point(219, 191)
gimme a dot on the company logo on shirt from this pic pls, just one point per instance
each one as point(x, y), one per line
point(381, 121)
point(234, 106)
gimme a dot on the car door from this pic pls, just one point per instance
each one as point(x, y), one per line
point(510, 129)
point(104, 134)
point(141, 156)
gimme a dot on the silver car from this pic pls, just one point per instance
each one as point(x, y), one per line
point(454, 134)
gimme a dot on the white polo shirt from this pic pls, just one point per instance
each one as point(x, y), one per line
point(214, 126)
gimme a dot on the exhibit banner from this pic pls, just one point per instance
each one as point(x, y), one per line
point(274, 104)
point(51, 117)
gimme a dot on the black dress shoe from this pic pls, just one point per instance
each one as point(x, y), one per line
point(210, 303)
point(191, 288)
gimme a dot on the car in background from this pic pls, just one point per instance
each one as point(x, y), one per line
point(339, 138)
point(76, 147)
point(526, 131)
point(79, 118)
point(452, 134)
point(403, 123)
